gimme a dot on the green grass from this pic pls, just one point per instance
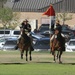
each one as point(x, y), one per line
point(42, 64)
point(37, 69)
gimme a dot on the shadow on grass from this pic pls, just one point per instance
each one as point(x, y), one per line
point(58, 63)
point(12, 63)
point(68, 63)
point(22, 63)
point(44, 62)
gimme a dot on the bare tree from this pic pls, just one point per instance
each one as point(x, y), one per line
point(2, 3)
point(64, 17)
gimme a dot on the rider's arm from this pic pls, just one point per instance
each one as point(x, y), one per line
point(29, 28)
point(62, 35)
point(21, 29)
point(52, 38)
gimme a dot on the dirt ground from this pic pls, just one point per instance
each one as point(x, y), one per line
point(14, 57)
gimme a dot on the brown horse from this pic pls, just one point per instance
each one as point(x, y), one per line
point(25, 47)
point(58, 46)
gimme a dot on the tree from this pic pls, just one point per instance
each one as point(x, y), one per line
point(6, 16)
point(2, 3)
point(64, 17)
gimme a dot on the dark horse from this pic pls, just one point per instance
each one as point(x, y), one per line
point(25, 47)
point(58, 46)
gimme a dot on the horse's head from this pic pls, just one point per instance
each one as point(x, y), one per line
point(56, 31)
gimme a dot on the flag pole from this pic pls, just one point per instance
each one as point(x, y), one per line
point(52, 19)
point(50, 28)
point(50, 12)
point(52, 23)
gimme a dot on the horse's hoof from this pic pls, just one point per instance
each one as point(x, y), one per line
point(30, 59)
point(57, 57)
point(54, 60)
point(21, 57)
point(26, 59)
point(60, 62)
point(52, 53)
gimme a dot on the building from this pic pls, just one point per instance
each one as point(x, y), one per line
point(41, 5)
point(33, 9)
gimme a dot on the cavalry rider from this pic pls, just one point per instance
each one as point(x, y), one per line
point(58, 35)
point(57, 31)
point(58, 26)
point(25, 29)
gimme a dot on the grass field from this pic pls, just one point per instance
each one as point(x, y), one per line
point(42, 64)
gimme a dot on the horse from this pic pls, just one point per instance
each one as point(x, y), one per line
point(25, 47)
point(58, 46)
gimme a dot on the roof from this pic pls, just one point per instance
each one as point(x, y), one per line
point(30, 5)
point(40, 5)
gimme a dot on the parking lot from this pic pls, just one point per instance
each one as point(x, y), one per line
point(41, 39)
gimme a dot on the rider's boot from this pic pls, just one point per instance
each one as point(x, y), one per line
point(31, 48)
point(16, 47)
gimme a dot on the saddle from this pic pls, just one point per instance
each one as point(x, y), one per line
point(23, 43)
point(23, 40)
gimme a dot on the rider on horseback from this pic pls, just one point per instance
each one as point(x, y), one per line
point(57, 42)
point(57, 31)
point(25, 32)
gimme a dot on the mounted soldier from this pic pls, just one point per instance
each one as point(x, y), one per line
point(57, 42)
point(57, 34)
point(25, 29)
point(57, 31)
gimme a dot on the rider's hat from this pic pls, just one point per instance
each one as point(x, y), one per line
point(25, 20)
point(57, 21)
point(56, 29)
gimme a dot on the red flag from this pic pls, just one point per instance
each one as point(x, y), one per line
point(50, 11)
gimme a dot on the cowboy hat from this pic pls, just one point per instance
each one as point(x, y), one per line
point(57, 21)
point(56, 29)
point(26, 20)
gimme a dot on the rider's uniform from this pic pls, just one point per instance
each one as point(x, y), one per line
point(26, 29)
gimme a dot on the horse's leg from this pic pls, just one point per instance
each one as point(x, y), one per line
point(22, 51)
point(30, 55)
point(27, 55)
point(54, 54)
point(60, 56)
point(57, 54)
point(21, 55)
